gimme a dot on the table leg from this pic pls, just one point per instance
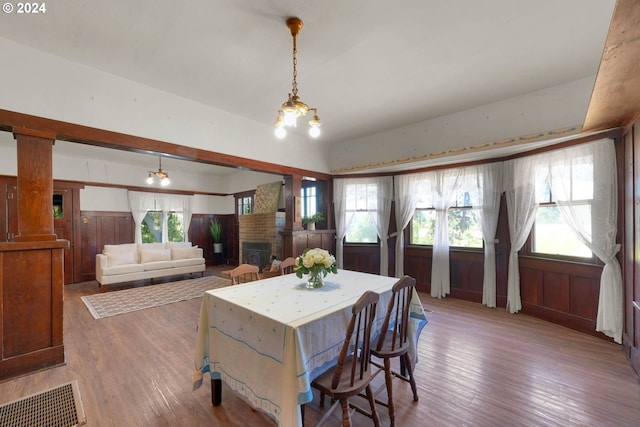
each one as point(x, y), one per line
point(216, 392)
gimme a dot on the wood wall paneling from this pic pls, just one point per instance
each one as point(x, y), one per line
point(363, 258)
point(465, 269)
point(631, 245)
point(31, 292)
point(98, 229)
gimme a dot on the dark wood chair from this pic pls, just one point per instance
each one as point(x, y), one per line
point(393, 341)
point(353, 371)
point(287, 265)
point(244, 273)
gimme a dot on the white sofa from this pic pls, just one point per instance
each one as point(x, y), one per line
point(131, 261)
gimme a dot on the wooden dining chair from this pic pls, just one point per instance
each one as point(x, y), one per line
point(244, 273)
point(393, 341)
point(287, 265)
point(353, 371)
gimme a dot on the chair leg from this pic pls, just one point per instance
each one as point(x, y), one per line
point(412, 380)
point(346, 416)
point(372, 403)
point(388, 379)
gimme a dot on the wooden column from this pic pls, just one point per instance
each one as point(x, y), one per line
point(292, 222)
point(35, 185)
point(292, 188)
point(32, 267)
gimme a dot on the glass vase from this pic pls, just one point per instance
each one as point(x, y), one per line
point(315, 280)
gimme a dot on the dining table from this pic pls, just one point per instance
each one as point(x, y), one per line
point(269, 339)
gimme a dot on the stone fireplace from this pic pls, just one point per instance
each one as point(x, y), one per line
point(260, 237)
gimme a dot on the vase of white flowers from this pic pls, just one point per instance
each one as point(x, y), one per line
point(316, 263)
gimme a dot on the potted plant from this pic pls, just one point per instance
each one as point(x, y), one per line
point(311, 220)
point(215, 227)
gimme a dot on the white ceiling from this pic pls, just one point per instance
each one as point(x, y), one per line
point(367, 65)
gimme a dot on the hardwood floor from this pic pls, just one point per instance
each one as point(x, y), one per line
point(478, 367)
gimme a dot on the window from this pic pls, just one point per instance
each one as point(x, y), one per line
point(361, 207)
point(551, 235)
point(309, 200)
point(245, 204)
point(464, 226)
point(58, 206)
point(153, 223)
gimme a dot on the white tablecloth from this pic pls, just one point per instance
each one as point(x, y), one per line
point(268, 339)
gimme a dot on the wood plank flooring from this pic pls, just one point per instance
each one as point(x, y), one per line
point(478, 367)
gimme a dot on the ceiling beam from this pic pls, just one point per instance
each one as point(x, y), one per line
point(615, 100)
point(64, 131)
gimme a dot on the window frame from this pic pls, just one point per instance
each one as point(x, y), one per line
point(528, 248)
point(162, 222)
point(455, 206)
point(356, 210)
point(240, 197)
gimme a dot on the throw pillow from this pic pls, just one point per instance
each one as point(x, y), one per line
point(114, 259)
point(275, 265)
point(173, 245)
point(184, 253)
point(151, 255)
point(118, 249)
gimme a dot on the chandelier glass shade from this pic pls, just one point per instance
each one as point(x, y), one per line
point(293, 107)
point(159, 175)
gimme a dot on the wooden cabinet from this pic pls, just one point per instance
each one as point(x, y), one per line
point(295, 242)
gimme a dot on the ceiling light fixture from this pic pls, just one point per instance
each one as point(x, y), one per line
point(160, 174)
point(293, 108)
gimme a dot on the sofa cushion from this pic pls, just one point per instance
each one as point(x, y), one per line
point(151, 255)
point(151, 246)
point(158, 265)
point(184, 253)
point(122, 269)
point(121, 258)
point(187, 261)
point(125, 247)
point(172, 245)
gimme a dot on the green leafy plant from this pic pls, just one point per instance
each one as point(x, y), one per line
point(316, 217)
point(215, 227)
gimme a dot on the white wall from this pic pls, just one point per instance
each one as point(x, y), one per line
point(96, 198)
point(248, 180)
point(8, 155)
point(116, 200)
point(79, 94)
point(544, 110)
point(104, 199)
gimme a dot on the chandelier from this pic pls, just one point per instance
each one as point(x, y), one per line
point(162, 176)
point(293, 107)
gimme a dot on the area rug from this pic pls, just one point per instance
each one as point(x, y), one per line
point(128, 300)
point(56, 407)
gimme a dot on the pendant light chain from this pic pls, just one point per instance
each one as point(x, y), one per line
point(294, 84)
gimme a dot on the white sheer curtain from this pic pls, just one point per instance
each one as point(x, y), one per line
point(352, 192)
point(488, 181)
point(519, 178)
point(384, 196)
point(445, 185)
point(407, 195)
point(342, 217)
point(591, 212)
point(140, 203)
point(181, 206)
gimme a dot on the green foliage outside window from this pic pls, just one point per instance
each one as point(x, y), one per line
point(551, 235)
point(362, 229)
point(463, 227)
point(152, 228)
